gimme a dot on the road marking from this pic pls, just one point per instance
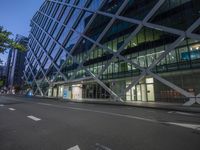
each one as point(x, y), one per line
point(104, 112)
point(46, 104)
point(182, 113)
point(119, 115)
point(129, 116)
point(74, 148)
point(191, 126)
point(12, 109)
point(170, 112)
point(102, 147)
point(34, 118)
point(1, 105)
point(197, 127)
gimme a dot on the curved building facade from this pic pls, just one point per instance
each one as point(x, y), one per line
point(125, 50)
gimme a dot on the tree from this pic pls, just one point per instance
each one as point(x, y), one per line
point(6, 42)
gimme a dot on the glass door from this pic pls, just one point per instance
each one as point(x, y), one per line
point(150, 92)
point(138, 92)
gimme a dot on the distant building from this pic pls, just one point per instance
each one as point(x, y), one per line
point(2, 76)
point(135, 50)
point(15, 64)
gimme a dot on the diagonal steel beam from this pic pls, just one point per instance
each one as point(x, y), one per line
point(52, 60)
point(171, 85)
point(134, 82)
point(49, 57)
point(169, 49)
point(88, 23)
point(35, 76)
point(38, 87)
point(131, 20)
point(58, 69)
point(111, 22)
point(38, 64)
point(134, 33)
point(86, 28)
point(102, 84)
point(117, 54)
point(198, 98)
point(34, 92)
point(109, 50)
point(198, 95)
point(40, 68)
point(171, 30)
point(25, 77)
point(193, 26)
point(174, 44)
point(176, 33)
point(118, 12)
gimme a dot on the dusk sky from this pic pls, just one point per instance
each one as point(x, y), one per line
point(15, 16)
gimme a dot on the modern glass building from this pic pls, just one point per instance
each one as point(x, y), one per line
point(125, 50)
point(15, 65)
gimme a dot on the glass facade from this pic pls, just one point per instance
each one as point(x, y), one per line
point(131, 50)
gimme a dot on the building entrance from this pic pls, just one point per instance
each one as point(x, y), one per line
point(95, 91)
point(144, 91)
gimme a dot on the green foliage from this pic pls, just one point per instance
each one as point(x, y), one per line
point(6, 42)
point(17, 46)
point(1, 83)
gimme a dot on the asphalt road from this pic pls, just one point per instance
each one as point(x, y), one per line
point(41, 124)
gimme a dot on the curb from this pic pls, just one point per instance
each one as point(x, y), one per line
point(170, 108)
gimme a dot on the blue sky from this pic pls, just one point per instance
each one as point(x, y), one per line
point(15, 16)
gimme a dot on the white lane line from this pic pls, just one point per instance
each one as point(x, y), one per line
point(118, 115)
point(74, 148)
point(104, 112)
point(197, 127)
point(185, 125)
point(11, 109)
point(102, 147)
point(170, 112)
point(182, 113)
point(34, 118)
point(1, 105)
